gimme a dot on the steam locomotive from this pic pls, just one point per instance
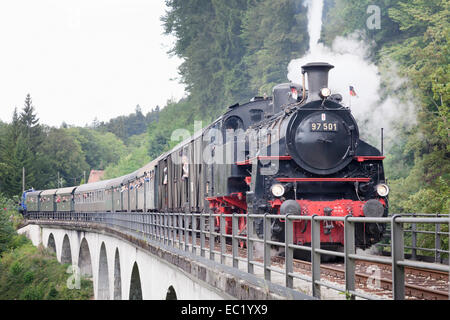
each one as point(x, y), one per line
point(296, 152)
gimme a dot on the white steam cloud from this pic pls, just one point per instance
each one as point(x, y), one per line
point(349, 55)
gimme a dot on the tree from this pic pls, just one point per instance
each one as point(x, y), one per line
point(274, 33)
point(27, 117)
point(60, 152)
point(414, 34)
point(18, 150)
point(7, 231)
point(100, 148)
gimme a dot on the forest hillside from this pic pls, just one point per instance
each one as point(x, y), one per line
point(234, 50)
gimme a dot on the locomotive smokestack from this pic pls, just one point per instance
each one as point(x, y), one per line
point(317, 78)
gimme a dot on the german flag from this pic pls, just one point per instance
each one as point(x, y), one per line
point(352, 91)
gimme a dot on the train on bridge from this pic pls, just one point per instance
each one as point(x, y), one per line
point(297, 152)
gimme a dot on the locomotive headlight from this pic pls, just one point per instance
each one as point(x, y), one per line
point(277, 190)
point(325, 92)
point(382, 190)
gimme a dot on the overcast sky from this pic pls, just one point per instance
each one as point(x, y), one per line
point(85, 59)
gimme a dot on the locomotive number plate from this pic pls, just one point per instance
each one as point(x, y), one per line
point(324, 126)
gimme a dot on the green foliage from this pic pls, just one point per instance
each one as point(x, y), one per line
point(274, 33)
point(30, 273)
point(343, 17)
point(174, 116)
point(28, 277)
point(7, 231)
point(18, 149)
point(27, 272)
point(16, 268)
point(124, 127)
point(135, 159)
point(61, 153)
point(100, 148)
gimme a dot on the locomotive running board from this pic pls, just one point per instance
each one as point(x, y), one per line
point(249, 161)
point(323, 179)
point(358, 158)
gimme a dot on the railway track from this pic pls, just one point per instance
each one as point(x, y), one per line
point(419, 283)
point(376, 279)
point(372, 278)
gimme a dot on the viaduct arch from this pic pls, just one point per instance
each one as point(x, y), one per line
point(119, 270)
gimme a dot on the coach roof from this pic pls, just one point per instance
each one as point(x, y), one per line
point(48, 192)
point(67, 190)
point(92, 186)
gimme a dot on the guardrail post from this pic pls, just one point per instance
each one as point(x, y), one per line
point(413, 240)
point(437, 242)
point(223, 246)
point(349, 248)
point(149, 217)
point(186, 233)
point(202, 234)
point(150, 225)
point(154, 226)
point(211, 237)
point(158, 226)
point(250, 267)
point(315, 257)
point(180, 229)
point(166, 228)
point(194, 232)
point(398, 274)
point(144, 225)
point(173, 227)
point(170, 229)
point(161, 227)
point(267, 233)
point(288, 252)
point(234, 240)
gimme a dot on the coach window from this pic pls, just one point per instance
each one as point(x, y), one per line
point(256, 115)
point(231, 125)
point(185, 164)
point(165, 176)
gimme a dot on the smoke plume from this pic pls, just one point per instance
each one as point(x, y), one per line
point(372, 108)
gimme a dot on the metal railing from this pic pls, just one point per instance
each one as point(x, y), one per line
point(413, 235)
point(191, 232)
